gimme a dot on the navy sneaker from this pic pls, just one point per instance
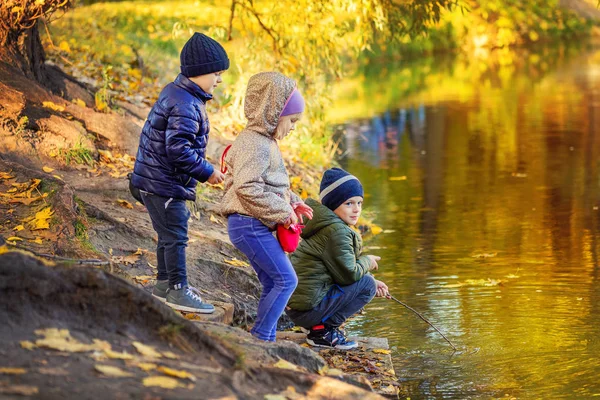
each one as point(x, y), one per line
point(329, 337)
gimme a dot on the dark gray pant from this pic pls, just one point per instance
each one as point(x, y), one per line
point(340, 303)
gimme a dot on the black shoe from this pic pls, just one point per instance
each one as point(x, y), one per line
point(329, 337)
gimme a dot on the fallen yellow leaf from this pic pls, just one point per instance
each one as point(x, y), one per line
point(79, 102)
point(23, 390)
point(145, 366)
point(18, 228)
point(5, 175)
point(120, 356)
point(238, 263)
point(398, 178)
point(61, 339)
point(111, 371)
point(124, 203)
point(47, 169)
point(381, 351)
point(26, 344)
point(12, 371)
point(146, 350)
point(376, 230)
point(51, 105)
point(41, 219)
point(214, 220)
point(58, 177)
point(286, 365)
point(161, 381)
point(171, 355)
point(14, 239)
point(176, 373)
point(37, 240)
point(139, 252)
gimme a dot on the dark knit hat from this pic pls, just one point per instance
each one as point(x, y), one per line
point(337, 186)
point(202, 55)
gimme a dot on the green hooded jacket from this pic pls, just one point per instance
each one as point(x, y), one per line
point(328, 254)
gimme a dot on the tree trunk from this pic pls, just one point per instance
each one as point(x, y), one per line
point(24, 50)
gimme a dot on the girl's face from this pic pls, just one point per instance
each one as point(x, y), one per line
point(286, 125)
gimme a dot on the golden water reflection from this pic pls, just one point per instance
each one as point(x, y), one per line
point(493, 234)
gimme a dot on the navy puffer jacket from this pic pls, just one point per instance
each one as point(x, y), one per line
point(171, 157)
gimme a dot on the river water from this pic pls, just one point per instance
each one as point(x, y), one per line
point(484, 175)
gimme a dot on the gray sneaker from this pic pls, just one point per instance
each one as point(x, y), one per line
point(160, 290)
point(188, 299)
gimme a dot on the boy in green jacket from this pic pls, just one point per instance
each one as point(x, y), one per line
point(333, 277)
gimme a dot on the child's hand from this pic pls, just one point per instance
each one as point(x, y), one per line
point(382, 290)
point(292, 219)
point(373, 262)
point(216, 177)
point(302, 209)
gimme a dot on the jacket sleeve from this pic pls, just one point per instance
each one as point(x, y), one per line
point(341, 261)
point(182, 128)
point(294, 198)
point(249, 187)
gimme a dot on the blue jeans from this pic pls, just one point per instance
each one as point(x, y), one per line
point(340, 303)
point(170, 221)
point(274, 270)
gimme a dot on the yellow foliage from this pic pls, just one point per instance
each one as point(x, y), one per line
point(286, 365)
point(64, 46)
point(26, 344)
point(381, 351)
point(376, 230)
point(47, 169)
point(12, 371)
point(146, 350)
point(145, 366)
point(51, 105)
point(398, 178)
point(161, 381)
point(111, 371)
point(79, 102)
point(124, 203)
point(41, 219)
point(176, 373)
point(61, 339)
point(238, 263)
point(120, 356)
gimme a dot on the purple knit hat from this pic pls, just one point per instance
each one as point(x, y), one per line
point(293, 105)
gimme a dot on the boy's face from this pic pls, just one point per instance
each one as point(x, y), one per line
point(349, 211)
point(208, 82)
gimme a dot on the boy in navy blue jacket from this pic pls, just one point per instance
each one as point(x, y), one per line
point(171, 161)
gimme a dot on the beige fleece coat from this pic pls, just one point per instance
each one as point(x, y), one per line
point(257, 183)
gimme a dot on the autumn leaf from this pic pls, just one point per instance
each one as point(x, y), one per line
point(58, 177)
point(41, 219)
point(116, 355)
point(398, 178)
point(376, 230)
point(23, 390)
point(124, 203)
point(170, 355)
point(161, 381)
point(146, 350)
point(145, 366)
point(37, 240)
point(139, 252)
point(61, 339)
point(5, 175)
point(144, 278)
point(47, 169)
point(286, 365)
point(64, 46)
point(14, 239)
point(12, 371)
point(51, 105)
point(18, 228)
point(176, 373)
point(28, 201)
point(238, 263)
point(111, 371)
point(26, 344)
point(79, 102)
point(131, 259)
point(381, 351)
point(214, 220)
